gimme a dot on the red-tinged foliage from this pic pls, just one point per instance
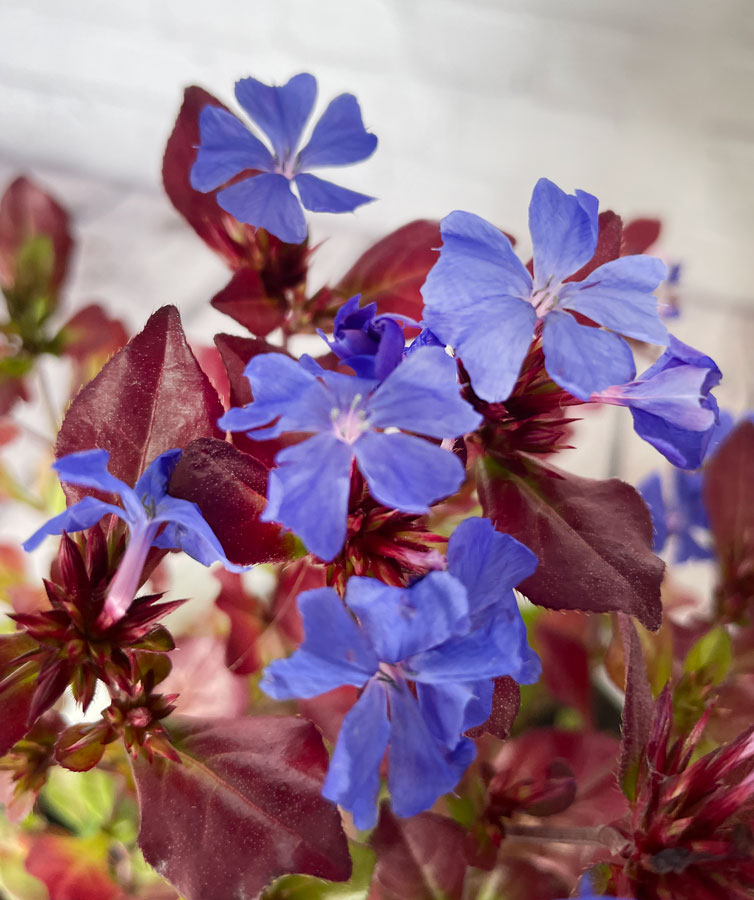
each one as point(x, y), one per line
point(72, 868)
point(152, 396)
point(506, 702)
point(92, 332)
point(392, 271)
point(522, 879)
point(213, 367)
point(242, 807)
point(328, 710)
point(729, 499)
point(561, 642)
point(293, 578)
point(201, 681)
point(245, 299)
point(18, 687)
point(637, 709)
point(27, 764)
point(229, 488)
point(421, 858)
point(246, 614)
point(639, 235)
point(592, 538)
point(608, 244)
point(28, 212)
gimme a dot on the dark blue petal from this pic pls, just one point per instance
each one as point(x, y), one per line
point(680, 354)
point(79, 516)
point(406, 472)
point(584, 360)
point(488, 563)
point(651, 493)
point(689, 496)
point(227, 148)
point(266, 201)
point(563, 232)
point(187, 530)
point(339, 137)
point(422, 395)
point(421, 767)
point(688, 547)
point(319, 195)
point(153, 484)
point(404, 621)
point(308, 493)
point(281, 112)
point(353, 779)
point(451, 709)
point(619, 296)
point(335, 651)
point(680, 446)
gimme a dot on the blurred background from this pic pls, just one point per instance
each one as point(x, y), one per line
point(646, 104)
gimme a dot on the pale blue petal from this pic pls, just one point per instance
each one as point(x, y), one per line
point(404, 621)
point(266, 201)
point(619, 296)
point(584, 360)
point(335, 651)
point(308, 493)
point(353, 779)
point(563, 232)
point(451, 709)
point(422, 395)
point(651, 493)
point(281, 112)
point(339, 137)
point(88, 468)
point(319, 195)
point(78, 517)
point(227, 148)
point(405, 472)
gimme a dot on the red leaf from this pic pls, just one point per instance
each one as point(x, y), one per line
point(639, 235)
point(421, 858)
point(26, 212)
point(506, 701)
point(328, 710)
point(592, 538)
point(392, 271)
point(92, 332)
point(17, 689)
point(72, 868)
point(242, 807)
point(729, 491)
point(565, 661)
point(638, 709)
point(150, 397)
point(608, 244)
point(245, 613)
point(229, 488)
point(245, 299)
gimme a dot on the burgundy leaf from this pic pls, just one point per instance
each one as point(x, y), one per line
point(328, 710)
point(559, 637)
point(245, 299)
point(150, 397)
point(229, 488)
point(18, 684)
point(729, 491)
point(608, 244)
point(592, 538)
point(638, 709)
point(506, 701)
point(27, 212)
point(245, 612)
point(392, 271)
point(242, 807)
point(639, 235)
point(421, 858)
point(91, 332)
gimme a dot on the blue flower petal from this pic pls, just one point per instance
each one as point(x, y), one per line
point(266, 201)
point(651, 493)
point(405, 472)
point(227, 148)
point(153, 484)
point(79, 516)
point(688, 547)
point(88, 468)
point(339, 137)
point(488, 563)
point(421, 768)
point(680, 446)
point(689, 495)
point(319, 195)
point(188, 530)
point(308, 493)
point(451, 709)
point(422, 395)
point(563, 231)
point(335, 651)
point(403, 621)
point(584, 360)
point(280, 111)
point(353, 779)
point(619, 296)
point(674, 394)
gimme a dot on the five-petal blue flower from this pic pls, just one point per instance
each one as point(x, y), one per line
point(266, 200)
point(146, 508)
point(354, 418)
point(480, 298)
point(449, 635)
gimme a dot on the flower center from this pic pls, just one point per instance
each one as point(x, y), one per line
point(545, 298)
point(349, 424)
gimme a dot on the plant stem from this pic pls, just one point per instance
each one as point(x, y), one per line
point(603, 835)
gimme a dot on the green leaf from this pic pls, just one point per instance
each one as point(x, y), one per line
point(305, 887)
point(82, 801)
point(711, 656)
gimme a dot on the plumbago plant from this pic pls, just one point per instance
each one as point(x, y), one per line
point(387, 717)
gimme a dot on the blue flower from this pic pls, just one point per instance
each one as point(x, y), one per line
point(266, 200)
point(146, 508)
point(450, 634)
point(371, 345)
point(308, 491)
point(679, 517)
point(586, 891)
point(481, 299)
point(671, 404)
